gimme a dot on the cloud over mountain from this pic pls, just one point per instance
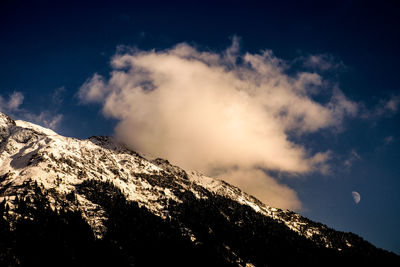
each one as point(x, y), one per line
point(227, 114)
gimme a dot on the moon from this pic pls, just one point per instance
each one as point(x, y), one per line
point(356, 196)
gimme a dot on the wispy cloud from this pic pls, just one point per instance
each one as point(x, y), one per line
point(321, 62)
point(385, 108)
point(57, 97)
point(13, 103)
point(391, 105)
point(226, 111)
point(353, 157)
point(388, 140)
point(47, 118)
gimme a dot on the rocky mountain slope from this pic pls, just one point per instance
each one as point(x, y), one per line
point(92, 202)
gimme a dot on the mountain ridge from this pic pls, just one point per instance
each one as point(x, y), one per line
point(85, 177)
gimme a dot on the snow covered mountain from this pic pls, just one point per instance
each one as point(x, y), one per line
point(121, 209)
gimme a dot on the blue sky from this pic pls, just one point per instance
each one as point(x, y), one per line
point(50, 49)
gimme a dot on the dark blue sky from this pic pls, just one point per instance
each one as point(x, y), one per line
point(48, 45)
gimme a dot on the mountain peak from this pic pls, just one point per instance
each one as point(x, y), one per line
point(4, 119)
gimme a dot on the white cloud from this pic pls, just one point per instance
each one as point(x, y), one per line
point(93, 90)
point(211, 111)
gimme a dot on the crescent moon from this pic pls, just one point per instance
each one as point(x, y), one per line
point(356, 196)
